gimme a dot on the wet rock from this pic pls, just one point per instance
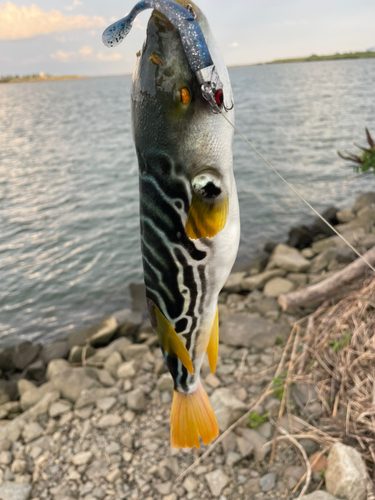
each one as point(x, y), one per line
point(267, 482)
point(346, 215)
point(288, 258)
point(363, 200)
point(300, 237)
point(278, 286)
point(227, 407)
point(6, 359)
point(216, 481)
point(35, 371)
point(14, 491)
point(96, 335)
point(24, 354)
point(346, 475)
point(8, 391)
point(320, 227)
point(240, 330)
point(56, 350)
point(72, 381)
point(258, 281)
point(136, 400)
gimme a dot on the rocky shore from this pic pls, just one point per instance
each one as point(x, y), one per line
point(87, 417)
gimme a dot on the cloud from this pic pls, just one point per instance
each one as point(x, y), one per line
point(84, 53)
point(234, 44)
point(17, 22)
point(76, 3)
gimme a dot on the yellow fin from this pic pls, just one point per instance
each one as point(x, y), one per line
point(213, 343)
point(191, 417)
point(170, 341)
point(206, 218)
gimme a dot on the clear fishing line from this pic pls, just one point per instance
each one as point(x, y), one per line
point(290, 186)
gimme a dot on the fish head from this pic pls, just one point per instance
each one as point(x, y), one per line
point(170, 117)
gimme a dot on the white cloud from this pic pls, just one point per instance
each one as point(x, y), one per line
point(84, 53)
point(17, 22)
point(110, 57)
point(76, 3)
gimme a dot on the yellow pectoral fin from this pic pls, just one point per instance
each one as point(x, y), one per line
point(213, 344)
point(206, 218)
point(171, 342)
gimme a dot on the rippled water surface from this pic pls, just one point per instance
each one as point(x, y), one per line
point(69, 243)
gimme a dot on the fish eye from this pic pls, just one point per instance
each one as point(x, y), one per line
point(219, 97)
point(185, 96)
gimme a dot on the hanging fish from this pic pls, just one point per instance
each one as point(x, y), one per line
point(188, 202)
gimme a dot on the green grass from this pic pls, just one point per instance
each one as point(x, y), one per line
point(331, 57)
point(256, 420)
point(339, 345)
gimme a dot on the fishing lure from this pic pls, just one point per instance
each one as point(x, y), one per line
point(189, 213)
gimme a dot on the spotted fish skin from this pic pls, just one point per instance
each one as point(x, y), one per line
point(184, 153)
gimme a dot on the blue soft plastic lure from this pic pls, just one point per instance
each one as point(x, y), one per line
point(192, 39)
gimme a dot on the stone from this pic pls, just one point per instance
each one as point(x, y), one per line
point(232, 458)
point(136, 400)
point(293, 474)
point(59, 408)
point(112, 363)
point(126, 370)
point(164, 488)
point(138, 296)
point(91, 395)
point(320, 463)
point(31, 394)
point(24, 354)
point(104, 352)
point(72, 381)
point(346, 215)
point(216, 481)
point(106, 404)
point(267, 482)
point(300, 237)
point(363, 200)
point(35, 370)
point(304, 393)
point(14, 491)
point(134, 352)
point(40, 407)
point(241, 330)
point(258, 281)
point(233, 283)
point(112, 448)
point(6, 457)
point(165, 383)
point(227, 407)
point(319, 495)
point(105, 378)
point(127, 441)
point(320, 227)
point(6, 445)
point(308, 253)
point(8, 391)
point(32, 431)
point(6, 359)
point(278, 286)
point(113, 475)
point(82, 458)
point(96, 335)
point(299, 279)
point(257, 442)
point(252, 486)
point(109, 420)
point(19, 466)
point(346, 475)
point(76, 353)
point(288, 258)
point(55, 367)
point(212, 381)
point(57, 350)
point(190, 484)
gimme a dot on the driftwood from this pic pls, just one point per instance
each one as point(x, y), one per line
point(324, 289)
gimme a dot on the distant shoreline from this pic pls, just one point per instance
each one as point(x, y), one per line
point(331, 57)
point(40, 78)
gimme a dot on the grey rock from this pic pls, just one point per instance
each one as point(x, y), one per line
point(109, 420)
point(318, 495)
point(36, 370)
point(32, 395)
point(232, 458)
point(136, 400)
point(299, 279)
point(112, 448)
point(55, 367)
point(113, 475)
point(105, 378)
point(72, 381)
point(6, 445)
point(126, 370)
point(91, 395)
point(227, 407)
point(57, 350)
point(19, 466)
point(233, 283)
point(300, 237)
point(127, 441)
point(40, 407)
point(258, 281)
point(82, 458)
point(293, 474)
point(257, 442)
point(8, 391)
point(308, 253)
point(278, 286)
point(164, 488)
point(363, 200)
point(190, 484)
point(25, 353)
point(6, 359)
point(264, 306)
point(106, 403)
point(6, 457)
point(304, 393)
point(59, 408)
point(165, 383)
point(14, 491)
point(241, 330)
point(96, 335)
point(288, 258)
point(32, 431)
point(112, 363)
point(134, 352)
point(115, 346)
point(216, 481)
point(267, 482)
point(346, 475)
point(346, 215)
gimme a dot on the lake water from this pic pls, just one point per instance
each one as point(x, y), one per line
point(69, 243)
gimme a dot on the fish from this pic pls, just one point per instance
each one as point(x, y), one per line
point(189, 211)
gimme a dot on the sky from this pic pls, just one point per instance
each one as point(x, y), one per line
point(63, 37)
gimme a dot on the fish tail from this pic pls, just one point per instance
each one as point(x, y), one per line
point(191, 417)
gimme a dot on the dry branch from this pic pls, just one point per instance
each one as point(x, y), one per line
point(328, 287)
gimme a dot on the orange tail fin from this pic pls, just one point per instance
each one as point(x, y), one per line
point(191, 417)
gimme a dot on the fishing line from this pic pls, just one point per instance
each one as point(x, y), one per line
point(299, 195)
